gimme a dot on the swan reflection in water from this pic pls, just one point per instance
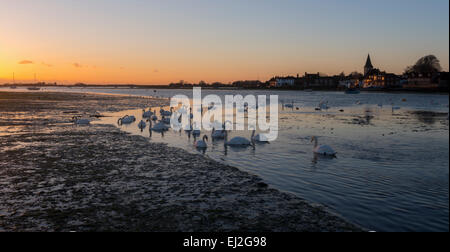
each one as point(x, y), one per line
point(317, 157)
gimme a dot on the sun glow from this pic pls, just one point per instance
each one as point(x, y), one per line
point(158, 42)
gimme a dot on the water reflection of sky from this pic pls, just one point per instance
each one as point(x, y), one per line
point(391, 172)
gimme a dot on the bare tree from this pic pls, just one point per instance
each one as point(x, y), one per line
point(356, 74)
point(427, 64)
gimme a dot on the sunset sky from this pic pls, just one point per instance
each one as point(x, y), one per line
point(163, 41)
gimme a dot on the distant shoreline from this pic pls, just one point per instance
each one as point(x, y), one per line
point(398, 90)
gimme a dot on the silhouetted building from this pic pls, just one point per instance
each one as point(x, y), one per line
point(319, 82)
point(349, 82)
point(443, 80)
point(392, 80)
point(368, 67)
point(375, 78)
point(427, 80)
point(247, 84)
point(380, 79)
point(273, 83)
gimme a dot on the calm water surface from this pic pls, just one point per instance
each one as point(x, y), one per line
point(392, 168)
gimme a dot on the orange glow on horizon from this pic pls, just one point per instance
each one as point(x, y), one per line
point(159, 42)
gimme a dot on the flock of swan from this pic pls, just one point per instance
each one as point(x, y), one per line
point(150, 119)
point(324, 105)
point(234, 142)
point(162, 124)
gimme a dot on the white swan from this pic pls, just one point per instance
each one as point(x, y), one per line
point(147, 114)
point(165, 120)
point(258, 138)
point(236, 141)
point(195, 132)
point(166, 113)
point(142, 125)
point(322, 149)
point(79, 121)
point(154, 117)
point(126, 120)
point(158, 127)
point(201, 144)
point(218, 134)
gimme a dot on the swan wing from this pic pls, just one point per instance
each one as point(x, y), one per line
point(201, 144)
point(325, 150)
point(160, 126)
point(239, 141)
point(147, 114)
point(218, 134)
point(142, 124)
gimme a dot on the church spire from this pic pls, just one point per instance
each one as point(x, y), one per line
point(368, 62)
point(368, 67)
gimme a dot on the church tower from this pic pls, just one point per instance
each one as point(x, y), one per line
point(368, 67)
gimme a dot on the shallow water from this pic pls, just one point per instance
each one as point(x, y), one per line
point(392, 168)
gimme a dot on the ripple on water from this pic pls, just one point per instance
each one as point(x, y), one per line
point(388, 175)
